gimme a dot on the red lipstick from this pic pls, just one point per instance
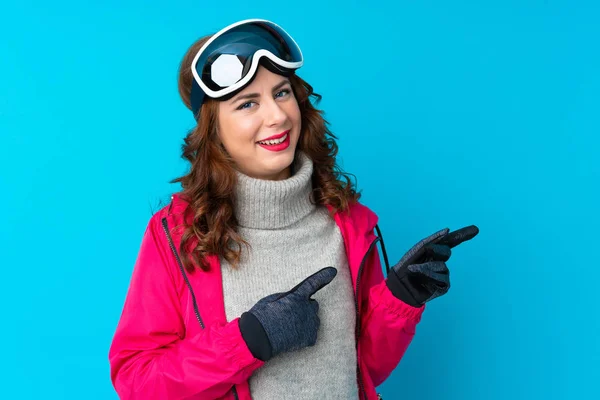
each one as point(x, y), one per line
point(280, 146)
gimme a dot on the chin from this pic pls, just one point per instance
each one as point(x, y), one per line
point(279, 163)
point(278, 166)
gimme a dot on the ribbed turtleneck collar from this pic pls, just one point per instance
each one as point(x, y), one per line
point(266, 204)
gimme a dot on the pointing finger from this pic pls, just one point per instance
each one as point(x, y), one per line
point(315, 282)
point(457, 237)
point(417, 250)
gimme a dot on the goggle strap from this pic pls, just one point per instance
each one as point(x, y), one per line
point(196, 99)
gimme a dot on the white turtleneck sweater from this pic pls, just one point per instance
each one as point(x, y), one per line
point(291, 239)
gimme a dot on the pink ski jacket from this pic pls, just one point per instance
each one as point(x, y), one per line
point(173, 340)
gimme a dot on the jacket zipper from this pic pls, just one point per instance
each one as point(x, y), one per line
point(187, 282)
point(360, 269)
point(166, 229)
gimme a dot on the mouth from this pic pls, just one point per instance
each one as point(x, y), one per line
point(276, 143)
point(275, 140)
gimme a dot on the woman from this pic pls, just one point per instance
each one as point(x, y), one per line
point(261, 279)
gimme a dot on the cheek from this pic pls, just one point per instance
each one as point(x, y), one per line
point(240, 131)
point(295, 116)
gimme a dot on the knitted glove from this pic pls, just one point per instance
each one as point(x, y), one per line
point(284, 322)
point(421, 275)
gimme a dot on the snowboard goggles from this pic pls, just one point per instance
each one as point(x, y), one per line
point(228, 61)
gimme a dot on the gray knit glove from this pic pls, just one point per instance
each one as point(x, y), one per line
point(284, 322)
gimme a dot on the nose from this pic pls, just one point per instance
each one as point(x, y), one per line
point(274, 114)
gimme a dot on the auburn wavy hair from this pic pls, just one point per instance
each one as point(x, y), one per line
point(208, 187)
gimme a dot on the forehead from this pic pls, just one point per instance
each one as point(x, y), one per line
point(264, 80)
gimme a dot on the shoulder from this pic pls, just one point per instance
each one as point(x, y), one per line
point(360, 210)
point(362, 216)
point(359, 217)
point(163, 234)
point(168, 219)
point(173, 213)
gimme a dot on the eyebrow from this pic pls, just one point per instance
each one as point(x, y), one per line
point(255, 95)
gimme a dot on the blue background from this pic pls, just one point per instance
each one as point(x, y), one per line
point(448, 115)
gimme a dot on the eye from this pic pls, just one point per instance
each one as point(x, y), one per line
point(246, 105)
point(282, 93)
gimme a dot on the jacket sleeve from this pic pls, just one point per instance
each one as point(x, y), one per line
point(387, 324)
point(150, 355)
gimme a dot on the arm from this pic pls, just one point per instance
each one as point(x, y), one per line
point(394, 306)
point(387, 324)
point(152, 358)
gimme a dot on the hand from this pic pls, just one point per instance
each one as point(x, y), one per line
point(284, 322)
point(421, 275)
